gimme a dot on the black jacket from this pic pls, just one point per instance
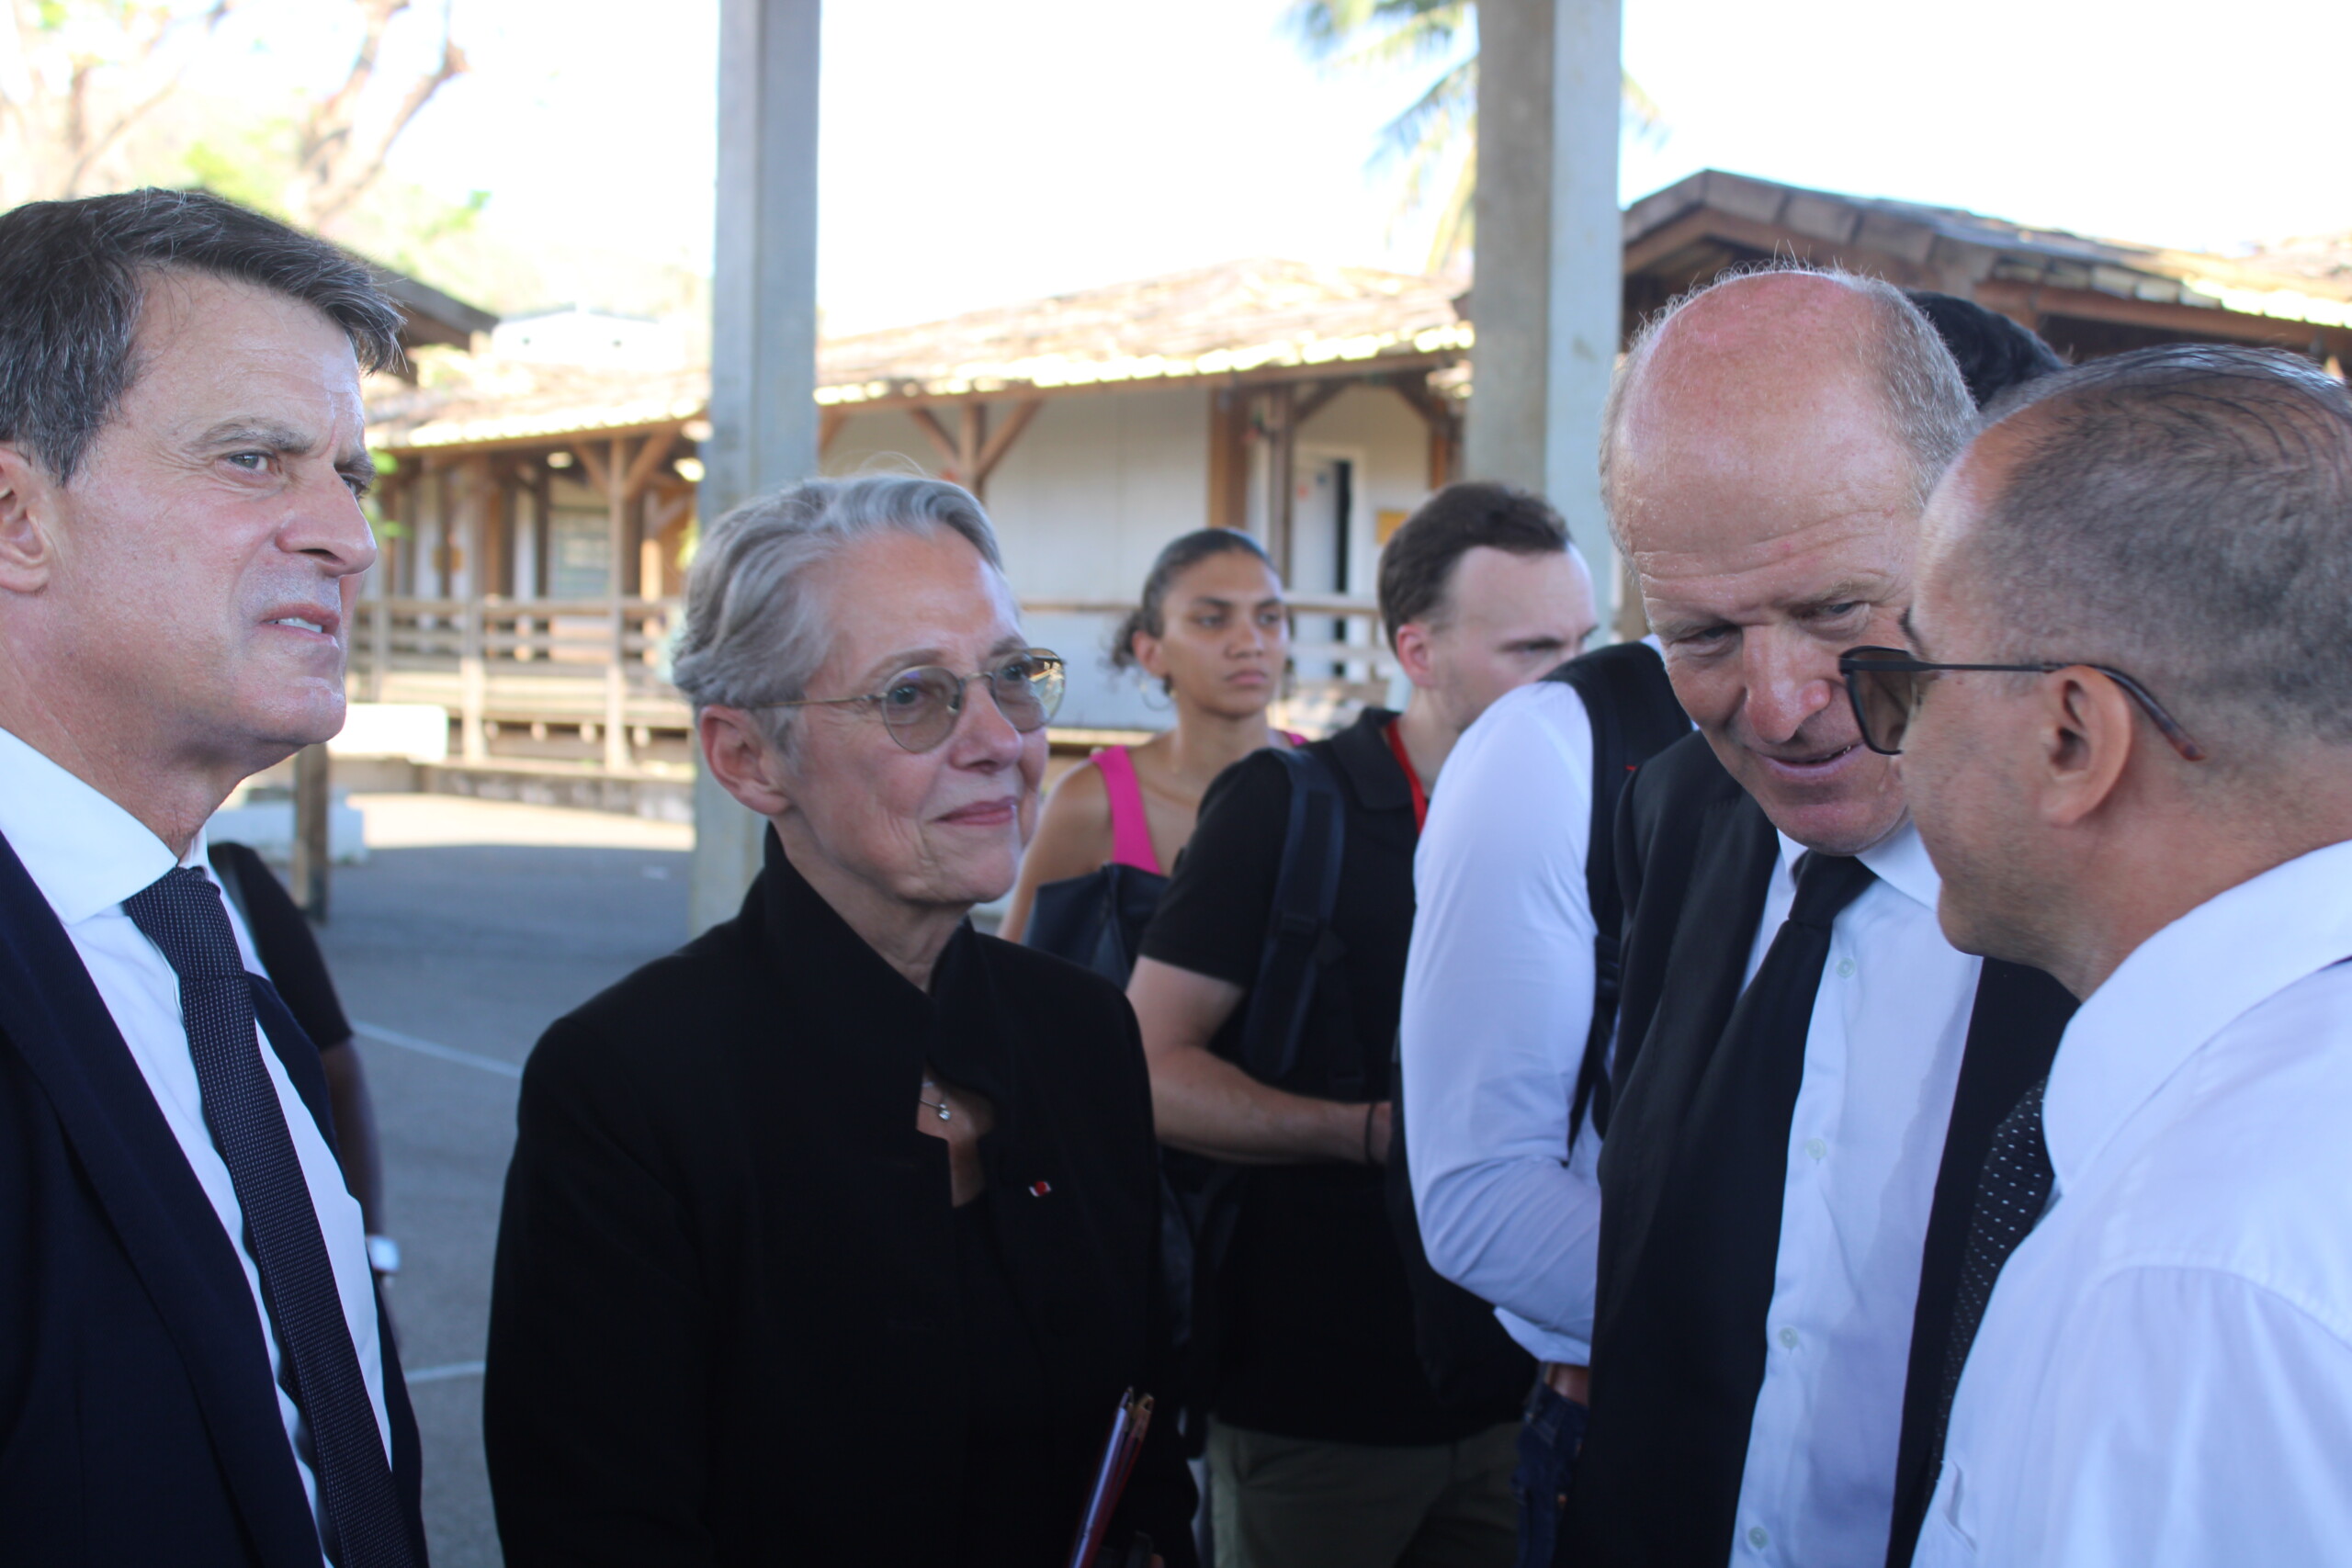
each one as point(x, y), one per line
point(725, 1320)
point(139, 1423)
point(1679, 1336)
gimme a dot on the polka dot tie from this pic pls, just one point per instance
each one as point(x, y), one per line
point(2011, 1192)
point(362, 1524)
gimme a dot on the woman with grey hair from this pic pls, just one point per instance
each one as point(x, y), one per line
point(832, 1237)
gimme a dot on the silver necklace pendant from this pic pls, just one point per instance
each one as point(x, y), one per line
point(939, 1104)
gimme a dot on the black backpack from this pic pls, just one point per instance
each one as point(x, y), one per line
point(1467, 1356)
point(1096, 920)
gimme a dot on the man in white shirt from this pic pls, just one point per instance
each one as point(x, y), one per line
point(1800, 1053)
point(197, 1370)
point(2135, 771)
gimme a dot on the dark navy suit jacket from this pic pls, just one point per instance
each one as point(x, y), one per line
point(138, 1421)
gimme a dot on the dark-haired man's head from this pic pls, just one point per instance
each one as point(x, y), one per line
point(1769, 444)
point(181, 460)
point(1994, 353)
point(1482, 593)
point(2182, 515)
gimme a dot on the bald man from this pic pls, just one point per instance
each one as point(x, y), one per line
point(2134, 767)
point(1805, 1070)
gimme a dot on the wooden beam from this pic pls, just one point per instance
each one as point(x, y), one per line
point(1315, 400)
point(648, 458)
point(2010, 295)
point(600, 476)
point(971, 432)
point(928, 422)
point(1000, 442)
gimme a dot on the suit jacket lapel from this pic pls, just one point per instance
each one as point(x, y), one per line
point(52, 1013)
point(2013, 1034)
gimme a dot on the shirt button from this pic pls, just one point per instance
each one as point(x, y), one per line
point(1756, 1538)
point(1816, 1148)
point(1789, 1339)
point(1844, 969)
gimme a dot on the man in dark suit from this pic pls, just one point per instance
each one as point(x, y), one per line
point(193, 1364)
point(1806, 1073)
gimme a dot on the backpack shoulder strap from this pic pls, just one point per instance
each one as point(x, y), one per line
point(1634, 715)
point(1306, 889)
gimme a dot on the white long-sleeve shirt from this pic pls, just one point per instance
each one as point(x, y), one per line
point(2164, 1374)
point(88, 854)
point(1498, 1002)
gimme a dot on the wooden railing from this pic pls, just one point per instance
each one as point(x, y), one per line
point(604, 664)
point(591, 661)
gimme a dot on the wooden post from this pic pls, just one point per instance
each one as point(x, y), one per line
point(473, 503)
point(1281, 486)
point(1228, 458)
point(764, 334)
point(308, 871)
point(1549, 281)
point(616, 757)
point(380, 641)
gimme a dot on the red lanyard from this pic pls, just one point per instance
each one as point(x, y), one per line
point(1405, 761)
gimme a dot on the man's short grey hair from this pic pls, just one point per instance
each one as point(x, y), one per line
point(2184, 514)
point(754, 635)
point(74, 277)
point(1927, 399)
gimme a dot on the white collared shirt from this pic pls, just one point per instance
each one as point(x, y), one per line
point(88, 854)
point(1498, 1003)
point(1881, 1062)
point(2164, 1374)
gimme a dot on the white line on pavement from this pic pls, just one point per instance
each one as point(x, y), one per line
point(431, 1048)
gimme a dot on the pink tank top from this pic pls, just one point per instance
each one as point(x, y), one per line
point(1130, 829)
point(1130, 826)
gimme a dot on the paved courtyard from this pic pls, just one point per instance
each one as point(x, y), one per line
point(472, 925)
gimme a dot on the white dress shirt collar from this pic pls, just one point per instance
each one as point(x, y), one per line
point(1900, 861)
point(2185, 985)
point(85, 854)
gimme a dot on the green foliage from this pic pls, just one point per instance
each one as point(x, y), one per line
point(1431, 148)
point(247, 163)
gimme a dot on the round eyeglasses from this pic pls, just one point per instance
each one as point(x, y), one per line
point(922, 706)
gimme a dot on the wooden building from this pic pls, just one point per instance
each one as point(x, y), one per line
point(539, 514)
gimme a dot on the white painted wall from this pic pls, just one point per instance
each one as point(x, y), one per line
point(1098, 483)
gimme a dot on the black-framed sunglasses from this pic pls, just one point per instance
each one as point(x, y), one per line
point(1886, 686)
point(921, 707)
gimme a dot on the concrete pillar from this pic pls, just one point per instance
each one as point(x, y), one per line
point(1549, 254)
point(764, 334)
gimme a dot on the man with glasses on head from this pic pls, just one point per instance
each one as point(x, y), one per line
point(2125, 725)
point(1805, 1072)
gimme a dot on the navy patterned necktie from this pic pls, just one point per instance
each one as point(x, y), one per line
point(2011, 1193)
point(362, 1526)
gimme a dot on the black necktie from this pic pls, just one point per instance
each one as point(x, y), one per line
point(181, 914)
point(2010, 1196)
point(1749, 1098)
